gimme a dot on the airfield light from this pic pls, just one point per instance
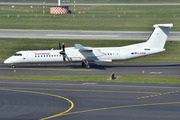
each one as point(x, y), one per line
point(59, 2)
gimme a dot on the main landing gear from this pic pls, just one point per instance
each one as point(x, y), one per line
point(85, 64)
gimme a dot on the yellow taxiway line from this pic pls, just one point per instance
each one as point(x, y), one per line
point(47, 94)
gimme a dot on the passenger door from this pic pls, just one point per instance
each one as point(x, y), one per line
point(29, 57)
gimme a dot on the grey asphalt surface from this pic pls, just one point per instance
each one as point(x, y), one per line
point(31, 100)
point(27, 100)
point(166, 69)
point(78, 34)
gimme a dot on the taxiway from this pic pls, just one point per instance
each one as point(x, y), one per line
point(78, 34)
point(166, 69)
point(45, 100)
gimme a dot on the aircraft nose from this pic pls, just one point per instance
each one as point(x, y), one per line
point(8, 61)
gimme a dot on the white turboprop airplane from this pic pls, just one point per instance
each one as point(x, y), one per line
point(79, 53)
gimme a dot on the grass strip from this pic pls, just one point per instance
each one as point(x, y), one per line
point(96, 1)
point(126, 18)
point(9, 46)
point(100, 78)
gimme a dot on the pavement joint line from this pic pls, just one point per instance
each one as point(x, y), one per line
point(81, 90)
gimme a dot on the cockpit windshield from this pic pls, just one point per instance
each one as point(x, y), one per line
point(17, 54)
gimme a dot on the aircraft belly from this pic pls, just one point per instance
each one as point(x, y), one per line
point(92, 58)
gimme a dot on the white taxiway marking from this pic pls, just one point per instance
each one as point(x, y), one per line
point(156, 73)
point(95, 84)
point(69, 35)
point(89, 83)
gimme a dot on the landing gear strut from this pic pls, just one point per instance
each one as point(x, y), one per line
point(85, 64)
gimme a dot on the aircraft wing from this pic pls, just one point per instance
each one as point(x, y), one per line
point(82, 48)
point(87, 51)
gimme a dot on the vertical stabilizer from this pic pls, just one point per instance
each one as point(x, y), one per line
point(159, 36)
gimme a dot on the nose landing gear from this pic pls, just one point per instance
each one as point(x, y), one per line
point(13, 66)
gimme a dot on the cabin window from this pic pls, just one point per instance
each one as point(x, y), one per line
point(17, 54)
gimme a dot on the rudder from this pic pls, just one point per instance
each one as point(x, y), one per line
point(159, 36)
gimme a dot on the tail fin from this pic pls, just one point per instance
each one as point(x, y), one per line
point(159, 36)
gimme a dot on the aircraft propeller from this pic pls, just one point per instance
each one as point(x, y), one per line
point(63, 53)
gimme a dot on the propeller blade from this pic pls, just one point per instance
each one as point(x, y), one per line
point(64, 57)
point(60, 46)
point(63, 51)
point(63, 47)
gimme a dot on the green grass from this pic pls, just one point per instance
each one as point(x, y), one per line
point(100, 1)
point(127, 1)
point(101, 78)
point(9, 46)
point(105, 18)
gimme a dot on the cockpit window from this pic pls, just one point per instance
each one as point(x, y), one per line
point(17, 54)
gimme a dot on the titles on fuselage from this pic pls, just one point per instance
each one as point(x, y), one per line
point(136, 53)
point(42, 54)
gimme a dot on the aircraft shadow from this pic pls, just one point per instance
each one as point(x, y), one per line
point(99, 66)
point(131, 65)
